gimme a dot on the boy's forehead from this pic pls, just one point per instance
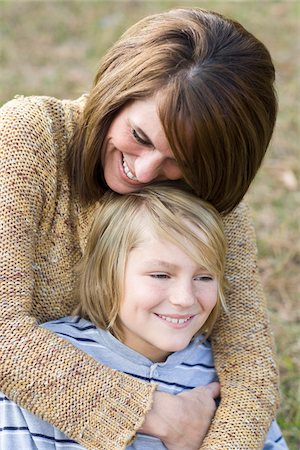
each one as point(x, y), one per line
point(187, 237)
point(175, 226)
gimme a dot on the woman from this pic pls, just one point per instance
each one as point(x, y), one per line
point(186, 95)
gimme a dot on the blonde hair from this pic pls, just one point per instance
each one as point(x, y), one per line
point(174, 214)
point(217, 101)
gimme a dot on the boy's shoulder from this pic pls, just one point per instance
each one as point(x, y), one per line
point(72, 325)
point(83, 334)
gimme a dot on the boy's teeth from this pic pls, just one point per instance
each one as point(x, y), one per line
point(172, 320)
point(127, 171)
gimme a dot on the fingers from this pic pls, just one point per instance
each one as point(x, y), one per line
point(211, 390)
point(214, 388)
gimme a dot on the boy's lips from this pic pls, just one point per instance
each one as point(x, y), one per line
point(176, 318)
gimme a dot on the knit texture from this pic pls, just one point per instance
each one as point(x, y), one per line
point(43, 231)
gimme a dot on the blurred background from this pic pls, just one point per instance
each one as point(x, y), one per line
point(53, 48)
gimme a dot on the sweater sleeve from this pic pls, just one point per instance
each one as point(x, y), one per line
point(243, 348)
point(96, 406)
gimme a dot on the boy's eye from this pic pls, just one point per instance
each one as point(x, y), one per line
point(138, 138)
point(205, 278)
point(161, 276)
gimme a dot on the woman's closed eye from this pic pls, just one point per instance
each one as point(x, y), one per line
point(139, 139)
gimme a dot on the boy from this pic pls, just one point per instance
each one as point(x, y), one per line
point(151, 285)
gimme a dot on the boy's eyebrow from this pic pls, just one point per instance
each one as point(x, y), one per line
point(161, 263)
point(167, 265)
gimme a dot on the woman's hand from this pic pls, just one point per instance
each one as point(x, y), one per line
point(182, 421)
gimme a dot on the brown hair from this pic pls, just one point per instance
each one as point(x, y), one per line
point(173, 214)
point(218, 105)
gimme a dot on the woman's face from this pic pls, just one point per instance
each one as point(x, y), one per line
point(137, 151)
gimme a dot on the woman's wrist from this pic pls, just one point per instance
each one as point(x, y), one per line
point(182, 420)
point(153, 424)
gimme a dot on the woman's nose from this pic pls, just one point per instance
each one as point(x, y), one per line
point(149, 166)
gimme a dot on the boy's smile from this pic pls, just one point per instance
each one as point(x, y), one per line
point(167, 298)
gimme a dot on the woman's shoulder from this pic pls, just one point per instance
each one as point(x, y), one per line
point(38, 125)
point(41, 111)
point(240, 216)
point(21, 104)
point(239, 227)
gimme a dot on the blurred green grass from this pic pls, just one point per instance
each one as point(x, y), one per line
point(53, 48)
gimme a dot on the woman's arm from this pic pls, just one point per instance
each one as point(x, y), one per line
point(243, 348)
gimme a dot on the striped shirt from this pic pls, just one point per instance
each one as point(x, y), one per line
point(186, 369)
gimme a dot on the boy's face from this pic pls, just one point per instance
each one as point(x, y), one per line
point(167, 298)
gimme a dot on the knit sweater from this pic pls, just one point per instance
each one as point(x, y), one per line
point(43, 229)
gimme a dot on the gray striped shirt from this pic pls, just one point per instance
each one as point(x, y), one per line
point(191, 367)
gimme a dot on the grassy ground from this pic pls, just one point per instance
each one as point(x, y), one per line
point(53, 48)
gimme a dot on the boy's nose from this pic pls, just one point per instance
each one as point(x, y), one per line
point(183, 297)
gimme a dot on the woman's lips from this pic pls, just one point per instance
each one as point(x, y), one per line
point(127, 171)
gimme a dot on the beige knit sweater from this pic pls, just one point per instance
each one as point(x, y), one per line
point(42, 232)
